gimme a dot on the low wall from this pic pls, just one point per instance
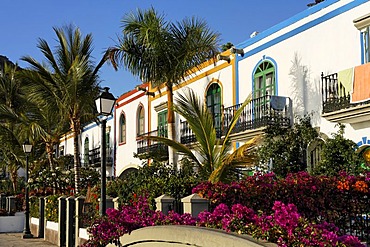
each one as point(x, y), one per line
point(12, 223)
point(166, 236)
point(34, 226)
point(51, 232)
point(82, 235)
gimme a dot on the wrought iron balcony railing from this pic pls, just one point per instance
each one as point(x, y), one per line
point(94, 157)
point(334, 95)
point(187, 135)
point(258, 113)
point(146, 146)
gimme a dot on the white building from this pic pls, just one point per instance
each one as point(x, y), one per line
point(316, 62)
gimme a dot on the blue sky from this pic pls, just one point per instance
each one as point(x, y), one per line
point(23, 22)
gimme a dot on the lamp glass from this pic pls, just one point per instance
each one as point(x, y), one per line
point(27, 148)
point(105, 102)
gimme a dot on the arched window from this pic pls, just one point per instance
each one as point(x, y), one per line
point(214, 105)
point(264, 86)
point(122, 129)
point(86, 151)
point(140, 124)
point(264, 80)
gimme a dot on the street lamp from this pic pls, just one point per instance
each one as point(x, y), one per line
point(104, 104)
point(27, 148)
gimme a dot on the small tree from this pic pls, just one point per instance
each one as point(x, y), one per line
point(285, 149)
point(339, 154)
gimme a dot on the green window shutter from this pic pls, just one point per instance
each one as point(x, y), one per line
point(140, 121)
point(162, 123)
point(122, 132)
point(214, 104)
point(264, 80)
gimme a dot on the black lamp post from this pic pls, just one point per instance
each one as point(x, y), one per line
point(27, 148)
point(104, 104)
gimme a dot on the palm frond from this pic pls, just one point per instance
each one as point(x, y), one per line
point(179, 147)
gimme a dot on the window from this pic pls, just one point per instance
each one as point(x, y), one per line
point(162, 123)
point(365, 41)
point(363, 25)
point(214, 105)
point(264, 80)
point(86, 151)
point(140, 121)
point(122, 129)
point(264, 85)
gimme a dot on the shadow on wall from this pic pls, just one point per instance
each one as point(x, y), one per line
point(306, 92)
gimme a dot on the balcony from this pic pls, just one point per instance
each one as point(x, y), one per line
point(187, 135)
point(151, 148)
point(257, 115)
point(339, 105)
point(94, 157)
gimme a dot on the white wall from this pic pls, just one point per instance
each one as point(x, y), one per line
point(128, 104)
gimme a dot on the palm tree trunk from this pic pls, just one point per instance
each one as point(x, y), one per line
point(77, 165)
point(13, 178)
point(49, 151)
point(171, 126)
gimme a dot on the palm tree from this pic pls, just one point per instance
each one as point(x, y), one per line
point(12, 101)
point(67, 81)
point(162, 52)
point(212, 155)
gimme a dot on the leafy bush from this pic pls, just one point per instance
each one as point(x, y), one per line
point(339, 154)
point(286, 148)
point(52, 208)
point(34, 207)
point(284, 225)
point(155, 179)
point(316, 197)
point(44, 182)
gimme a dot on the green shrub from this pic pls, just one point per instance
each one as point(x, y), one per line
point(34, 207)
point(154, 180)
point(52, 208)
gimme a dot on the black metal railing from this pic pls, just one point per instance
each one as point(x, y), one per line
point(260, 112)
point(95, 157)
point(145, 145)
point(187, 135)
point(334, 95)
point(354, 217)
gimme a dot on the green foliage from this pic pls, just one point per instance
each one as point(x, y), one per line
point(155, 179)
point(43, 181)
point(339, 154)
point(212, 159)
point(226, 46)
point(34, 207)
point(286, 148)
point(7, 188)
point(52, 208)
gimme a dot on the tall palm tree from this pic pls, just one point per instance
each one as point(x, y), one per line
point(12, 102)
point(163, 53)
point(212, 155)
point(67, 81)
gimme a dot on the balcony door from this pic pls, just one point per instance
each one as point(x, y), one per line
point(264, 87)
point(214, 106)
